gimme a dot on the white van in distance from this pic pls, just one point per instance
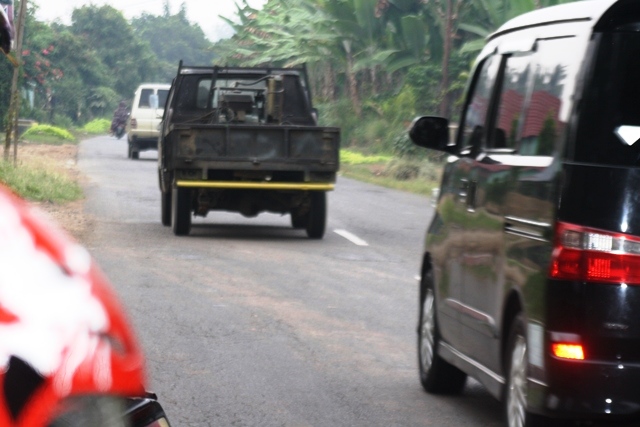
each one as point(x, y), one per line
point(147, 110)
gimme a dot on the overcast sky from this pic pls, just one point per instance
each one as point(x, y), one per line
point(203, 12)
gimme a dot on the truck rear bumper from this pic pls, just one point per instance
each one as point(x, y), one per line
point(247, 185)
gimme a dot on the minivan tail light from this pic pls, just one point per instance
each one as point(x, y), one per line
point(134, 123)
point(594, 255)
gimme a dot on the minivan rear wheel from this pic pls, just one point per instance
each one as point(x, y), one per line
point(516, 388)
point(436, 374)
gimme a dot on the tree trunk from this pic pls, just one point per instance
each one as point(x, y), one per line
point(329, 90)
point(446, 56)
point(352, 82)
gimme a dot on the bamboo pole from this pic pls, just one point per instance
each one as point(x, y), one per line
point(14, 107)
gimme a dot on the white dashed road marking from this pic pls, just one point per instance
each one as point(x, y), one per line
point(351, 237)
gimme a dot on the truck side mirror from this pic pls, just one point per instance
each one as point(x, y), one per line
point(431, 132)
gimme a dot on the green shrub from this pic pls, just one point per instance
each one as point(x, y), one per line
point(62, 121)
point(349, 157)
point(409, 169)
point(48, 130)
point(402, 170)
point(97, 127)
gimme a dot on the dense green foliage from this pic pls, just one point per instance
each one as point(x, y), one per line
point(187, 41)
point(75, 73)
point(373, 64)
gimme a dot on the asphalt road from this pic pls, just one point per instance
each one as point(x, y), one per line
point(246, 322)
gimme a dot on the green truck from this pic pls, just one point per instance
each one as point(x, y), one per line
point(245, 140)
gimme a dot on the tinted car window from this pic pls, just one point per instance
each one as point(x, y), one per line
point(609, 121)
point(512, 99)
point(549, 106)
point(476, 113)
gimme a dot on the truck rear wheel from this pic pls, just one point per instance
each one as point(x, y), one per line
point(181, 211)
point(317, 216)
point(298, 220)
point(165, 207)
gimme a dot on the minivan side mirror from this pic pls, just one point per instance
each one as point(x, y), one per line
point(431, 132)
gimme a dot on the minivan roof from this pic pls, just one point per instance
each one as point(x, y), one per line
point(158, 85)
point(587, 11)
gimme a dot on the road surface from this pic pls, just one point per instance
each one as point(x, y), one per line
point(246, 322)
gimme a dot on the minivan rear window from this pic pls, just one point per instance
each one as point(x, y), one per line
point(162, 97)
point(144, 98)
point(608, 129)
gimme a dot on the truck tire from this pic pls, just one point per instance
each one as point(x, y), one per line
point(299, 221)
point(317, 217)
point(165, 207)
point(181, 211)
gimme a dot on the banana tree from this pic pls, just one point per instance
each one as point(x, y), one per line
point(489, 15)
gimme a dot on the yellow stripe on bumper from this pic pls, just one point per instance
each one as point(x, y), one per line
point(237, 185)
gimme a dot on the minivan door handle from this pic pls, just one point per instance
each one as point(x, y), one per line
point(463, 191)
point(467, 194)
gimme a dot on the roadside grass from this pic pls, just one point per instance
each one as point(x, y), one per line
point(41, 178)
point(414, 176)
point(35, 182)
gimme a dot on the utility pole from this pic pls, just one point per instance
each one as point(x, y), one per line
point(14, 107)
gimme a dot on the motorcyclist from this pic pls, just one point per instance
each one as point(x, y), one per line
point(119, 117)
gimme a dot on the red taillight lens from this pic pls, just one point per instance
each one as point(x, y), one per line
point(134, 123)
point(594, 255)
point(568, 351)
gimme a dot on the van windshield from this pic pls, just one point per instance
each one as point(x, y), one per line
point(608, 129)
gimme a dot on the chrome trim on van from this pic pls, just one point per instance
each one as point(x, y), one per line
point(537, 381)
point(477, 365)
point(534, 230)
point(483, 318)
point(497, 378)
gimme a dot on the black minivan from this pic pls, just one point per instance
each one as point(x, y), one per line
point(530, 280)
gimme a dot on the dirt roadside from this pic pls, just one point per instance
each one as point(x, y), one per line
point(62, 159)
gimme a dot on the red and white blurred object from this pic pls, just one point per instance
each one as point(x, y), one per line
point(67, 351)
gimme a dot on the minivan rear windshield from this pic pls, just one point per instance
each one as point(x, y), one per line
point(608, 129)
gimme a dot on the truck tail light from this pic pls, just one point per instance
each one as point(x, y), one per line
point(134, 123)
point(588, 254)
